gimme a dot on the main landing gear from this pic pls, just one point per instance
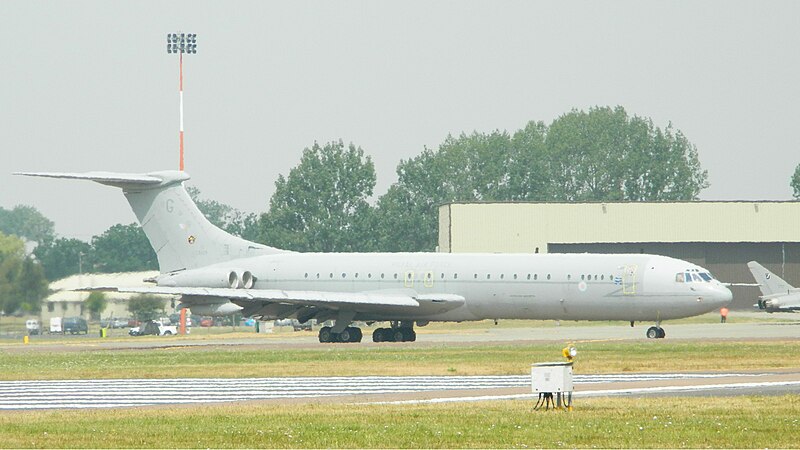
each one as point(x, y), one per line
point(349, 334)
point(399, 332)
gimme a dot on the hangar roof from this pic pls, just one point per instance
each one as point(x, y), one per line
point(524, 227)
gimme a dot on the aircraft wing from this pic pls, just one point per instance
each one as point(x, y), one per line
point(330, 300)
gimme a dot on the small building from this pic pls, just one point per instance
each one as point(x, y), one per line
point(65, 301)
point(720, 236)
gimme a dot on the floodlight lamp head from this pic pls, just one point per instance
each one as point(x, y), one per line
point(569, 352)
point(182, 43)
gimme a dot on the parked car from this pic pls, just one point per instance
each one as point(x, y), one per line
point(75, 325)
point(153, 328)
point(55, 325)
point(294, 323)
point(114, 323)
point(32, 325)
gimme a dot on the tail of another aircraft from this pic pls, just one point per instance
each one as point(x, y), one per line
point(769, 283)
point(178, 232)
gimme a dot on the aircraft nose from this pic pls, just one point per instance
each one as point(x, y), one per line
point(720, 295)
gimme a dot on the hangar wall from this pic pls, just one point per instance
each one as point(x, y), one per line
point(720, 236)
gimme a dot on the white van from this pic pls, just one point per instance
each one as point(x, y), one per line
point(55, 325)
point(32, 325)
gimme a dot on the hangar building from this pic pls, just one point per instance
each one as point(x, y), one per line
point(720, 236)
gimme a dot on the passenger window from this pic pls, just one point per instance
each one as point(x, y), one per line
point(356, 274)
point(548, 276)
point(602, 277)
point(569, 277)
point(369, 275)
point(317, 275)
point(344, 274)
point(455, 276)
point(515, 276)
point(306, 274)
point(488, 276)
point(529, 276)
point(502, 276)
point(476, 276)
point(535, 276)
point(331, 274)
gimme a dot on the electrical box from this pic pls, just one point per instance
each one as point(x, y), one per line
point(551, 377)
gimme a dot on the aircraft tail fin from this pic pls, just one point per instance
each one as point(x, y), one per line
point(178, 232)
point(769, 283)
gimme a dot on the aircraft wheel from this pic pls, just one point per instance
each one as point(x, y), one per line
point(345, 335)
point(325, 334)
point(356, 334)
point(410, 336)
point(652, 333)
point(398, 335)
point(661, 333)
point(377, 335)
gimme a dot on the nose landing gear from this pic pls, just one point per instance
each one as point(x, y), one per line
point(656, 332)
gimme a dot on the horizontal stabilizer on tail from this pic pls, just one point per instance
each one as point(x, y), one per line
point(114, 178)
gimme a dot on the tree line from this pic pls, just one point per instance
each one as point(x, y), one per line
point(326, 203)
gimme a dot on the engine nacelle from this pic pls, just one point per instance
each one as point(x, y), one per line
point(212, 309)
point(210, 278)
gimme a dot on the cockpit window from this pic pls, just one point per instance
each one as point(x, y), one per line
point(693, 277)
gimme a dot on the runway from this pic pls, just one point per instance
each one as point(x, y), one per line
point(126, 393)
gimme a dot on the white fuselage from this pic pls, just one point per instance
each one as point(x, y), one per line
point(498, 286)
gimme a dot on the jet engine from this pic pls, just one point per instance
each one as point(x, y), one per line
point(210, 278)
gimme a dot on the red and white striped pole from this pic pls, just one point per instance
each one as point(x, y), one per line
point(181, 43)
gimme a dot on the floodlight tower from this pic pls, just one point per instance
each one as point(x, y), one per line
point(181, 43)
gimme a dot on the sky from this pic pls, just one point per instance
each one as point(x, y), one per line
point(88, 85)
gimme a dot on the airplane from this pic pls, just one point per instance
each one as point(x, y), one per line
point(776, 294)
point(218, 273)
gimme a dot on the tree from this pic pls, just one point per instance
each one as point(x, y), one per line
point(146, 307)
point(22, 281)
point(605, 155)
point(795, 183)
point(96, 303)
point(322, 205)
point(224, 216)
point(26, 222)
point(64, 257)
point(123, 248)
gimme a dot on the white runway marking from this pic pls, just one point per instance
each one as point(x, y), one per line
point(58, 394)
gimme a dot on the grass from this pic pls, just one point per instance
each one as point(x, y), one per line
point(727, 422)
point(391, 359)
